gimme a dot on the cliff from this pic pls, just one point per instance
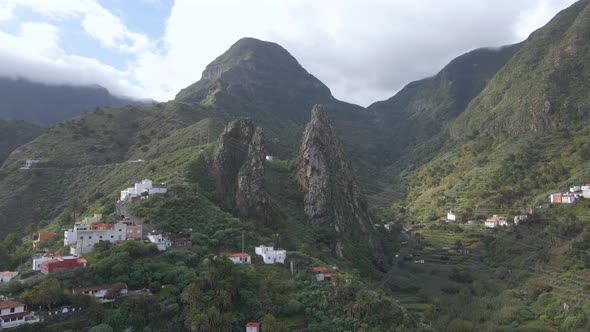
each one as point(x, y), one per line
point(237, 171)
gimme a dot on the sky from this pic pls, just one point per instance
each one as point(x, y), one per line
point(364, 51)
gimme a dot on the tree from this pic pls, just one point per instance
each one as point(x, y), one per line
point(47, 293)
point(75, 206)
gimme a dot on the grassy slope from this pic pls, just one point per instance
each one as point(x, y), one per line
point(92, 156)
point(14, 133)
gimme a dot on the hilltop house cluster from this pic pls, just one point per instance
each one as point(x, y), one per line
point(575, 193)
point(144, 188)
point(269, 255)
point(90, 231)
point(491, 222)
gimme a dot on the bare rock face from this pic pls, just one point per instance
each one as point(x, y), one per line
point(238, 171)
point(332, 196)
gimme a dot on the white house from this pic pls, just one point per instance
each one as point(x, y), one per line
point(163, 242)
point(38, 261)
point(104, 291)
point(520, 218)
point(575, 189)
point(145, 186)
point(586, 194)
point(240, 258)
point(29, 163)
point(451, 216)
point(13, 314)
point(84, 236)
point(270, 255)
point(585, 187)
point(496, 221)
point(568, 198)
point(6, 276)
point(253, 327)
point(270, 158)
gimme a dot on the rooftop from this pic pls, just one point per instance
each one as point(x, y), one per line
point(8, 273)
point(10, 304)
point(238, 254)
point(253, 324)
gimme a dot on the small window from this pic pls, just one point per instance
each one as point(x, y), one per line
point(12, 310)
point(20, 318)
point(81, 238)
point(112, 237)
point(90, 238)
point(120, 230)
point(101, 236)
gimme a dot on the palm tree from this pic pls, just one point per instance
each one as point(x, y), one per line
point(75, 205)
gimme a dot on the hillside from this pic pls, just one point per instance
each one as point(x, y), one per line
point(524, 136)
point(14, 133)
point(422, 109)
point(357, 195)
point(49, 104)
point(261, 80)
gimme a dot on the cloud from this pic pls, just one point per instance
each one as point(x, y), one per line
point(34, 53)
point(363, 51)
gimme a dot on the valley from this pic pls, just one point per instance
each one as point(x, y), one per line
point(458, 204)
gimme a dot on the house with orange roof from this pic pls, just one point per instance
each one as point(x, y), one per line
point(103, 291)
point(323, 273)
point(43, 237)
point(240, 258)
point(13, 314)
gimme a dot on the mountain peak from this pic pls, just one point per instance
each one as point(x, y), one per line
point(252, 69)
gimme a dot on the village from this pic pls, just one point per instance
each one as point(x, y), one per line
point(81, 238)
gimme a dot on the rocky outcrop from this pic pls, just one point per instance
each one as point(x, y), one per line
point(237, 171)
point(332, 196)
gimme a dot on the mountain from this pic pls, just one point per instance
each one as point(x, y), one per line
point(261, 80)
point(14, 133)
point(523, 136)
point(544, 86)
point(422, 109)
point(49, 104)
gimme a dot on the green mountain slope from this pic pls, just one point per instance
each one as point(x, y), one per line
point(524, 136)
point(543, 87)
point(14, 133)
point(421, 109)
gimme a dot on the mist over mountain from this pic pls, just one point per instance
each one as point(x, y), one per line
point(45, 104)
point(428, 211)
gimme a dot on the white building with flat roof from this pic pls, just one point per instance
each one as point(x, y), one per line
point(146, 186)
point(85, 235)
point(161, 241)
point(270, 255)
point(6, 276)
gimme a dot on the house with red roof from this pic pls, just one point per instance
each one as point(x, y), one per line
point(253, 327)
point(13, 314)
point(62, 262)
point(240, 258)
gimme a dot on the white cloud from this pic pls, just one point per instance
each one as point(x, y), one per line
point(364, 51)
point(34, 53)
point(6, 11)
